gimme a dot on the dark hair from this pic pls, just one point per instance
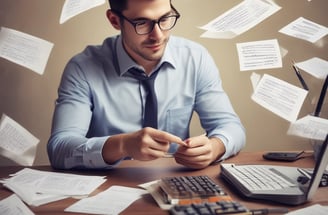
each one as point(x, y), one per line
point(119, 5)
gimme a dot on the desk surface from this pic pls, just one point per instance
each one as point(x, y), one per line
point(132, 173)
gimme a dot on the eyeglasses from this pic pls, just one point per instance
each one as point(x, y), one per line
point(145, 26)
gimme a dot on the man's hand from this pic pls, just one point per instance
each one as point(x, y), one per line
point(145, 144)
point(200, 152)
point(149, 144)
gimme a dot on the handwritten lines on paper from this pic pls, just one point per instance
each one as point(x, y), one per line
point(33, 52)
point(24, 49)
point(16, 143)
point(239, 19)
point(72, 8)
point(259, 55)
point(280, 97)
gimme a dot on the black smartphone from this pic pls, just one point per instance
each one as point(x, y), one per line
point(283, 156)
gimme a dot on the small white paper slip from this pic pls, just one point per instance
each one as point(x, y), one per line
point(72, 8)
point(24, 49)
point(255, 79)
point(305, 29)
point(280, 97)
point(16, 143)
point(12, 205)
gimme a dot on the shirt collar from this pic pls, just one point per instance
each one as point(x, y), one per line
point(125, 62)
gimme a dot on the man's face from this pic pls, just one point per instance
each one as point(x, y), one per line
point(146, 49)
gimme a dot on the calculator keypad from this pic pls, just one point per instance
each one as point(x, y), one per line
point(214, 208)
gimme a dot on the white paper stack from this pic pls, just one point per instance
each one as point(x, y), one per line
point(37, 187)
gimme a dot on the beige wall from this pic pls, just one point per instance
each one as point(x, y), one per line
point(29, 98)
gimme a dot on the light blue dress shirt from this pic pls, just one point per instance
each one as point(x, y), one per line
point(98, 97)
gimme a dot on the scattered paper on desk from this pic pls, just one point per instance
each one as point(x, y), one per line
point(311, 127)
point(255, 55)
point(72, 8)
point(37, 187)
point(16, 143)
point(305, 29)
point(280, 97)
point(25, 50)
point(31, 197)
point(111, 201)
point(313, 209)
point(315, 66)
point(240, 18)
point(12, 205)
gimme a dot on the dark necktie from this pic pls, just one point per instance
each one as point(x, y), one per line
point(150, 115)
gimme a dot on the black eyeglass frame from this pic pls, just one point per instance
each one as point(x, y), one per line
point(158, 21)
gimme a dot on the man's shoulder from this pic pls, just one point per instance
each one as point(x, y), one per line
point(96, 51)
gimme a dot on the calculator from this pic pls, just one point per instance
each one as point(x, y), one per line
point(186, 190)
point(212, 208)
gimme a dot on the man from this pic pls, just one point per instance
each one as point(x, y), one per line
point(100, 114)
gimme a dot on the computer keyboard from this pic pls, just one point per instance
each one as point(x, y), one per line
point(259, 178)
point(191, 189)
point(212, 208)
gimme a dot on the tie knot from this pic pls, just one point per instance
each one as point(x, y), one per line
point(138, 73)
point(143, 77)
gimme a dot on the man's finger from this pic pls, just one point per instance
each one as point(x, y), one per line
point(167, 137)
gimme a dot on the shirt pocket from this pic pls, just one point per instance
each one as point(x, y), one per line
point(178, 121)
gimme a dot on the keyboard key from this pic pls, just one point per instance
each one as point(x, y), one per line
point(258, 178)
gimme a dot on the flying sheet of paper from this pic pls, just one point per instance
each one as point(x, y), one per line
point(255, 55)
point(37, 187)
point(72, 8)
point(311, 127)
point(16, 143)
point(239, 19)
point(280, 97)
point(24, 49)
point(111, 201)
point(12, 205)
point(305, 29)
point(315, 66)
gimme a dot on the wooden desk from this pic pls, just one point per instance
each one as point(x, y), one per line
point(132, 173)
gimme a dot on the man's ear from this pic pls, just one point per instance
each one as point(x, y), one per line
point(113, 19)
